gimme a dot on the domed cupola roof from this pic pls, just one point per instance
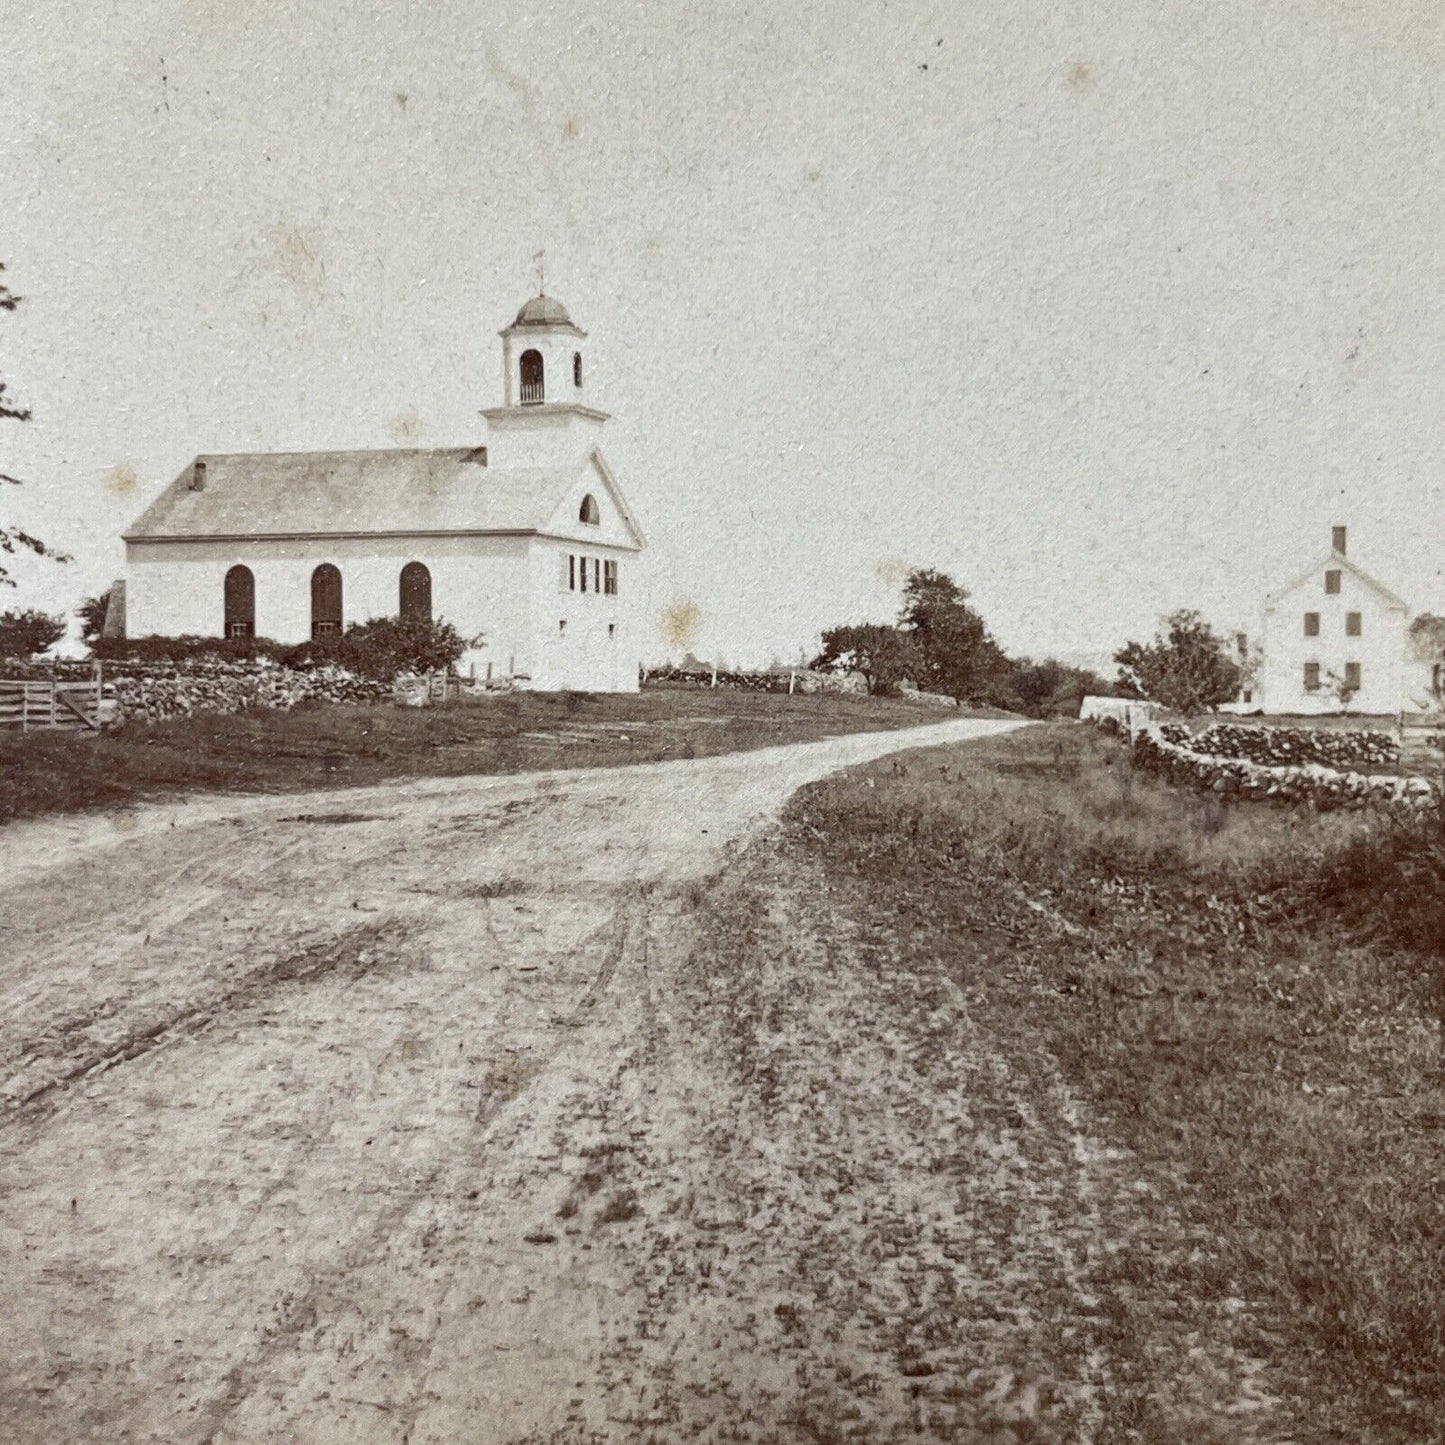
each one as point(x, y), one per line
point(543, 311)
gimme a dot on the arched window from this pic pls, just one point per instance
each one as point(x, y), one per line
point(531, 376)
point(589, 512)
point(325, 601)
point(577, 369)
point(240, 593)
point(415, 593)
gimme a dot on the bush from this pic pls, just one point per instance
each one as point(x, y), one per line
point(379, 649)
point(188, 648)
point(24, 634)
point(385, 646)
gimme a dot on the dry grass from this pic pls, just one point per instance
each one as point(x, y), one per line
point(338, 747)
point(1281, 1057)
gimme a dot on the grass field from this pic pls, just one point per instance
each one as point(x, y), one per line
point(1250, 996)
point(326, 747)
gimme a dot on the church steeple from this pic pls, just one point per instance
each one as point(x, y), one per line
point(543, 418)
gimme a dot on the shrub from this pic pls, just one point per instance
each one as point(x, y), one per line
point(385, 646)
point(24, 634)
point(187, 648)
point(91, 613)
point(379, 648)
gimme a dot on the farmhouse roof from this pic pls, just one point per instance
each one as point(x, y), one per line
point(1339, 560)
point(403, 492)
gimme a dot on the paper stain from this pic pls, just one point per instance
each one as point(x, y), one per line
point(1080, 78)
point(680, 623)
point(571, 130)
point(406, 425)
point(121, 480)
point(295, 256)
point(399, 99)
point(892, 571)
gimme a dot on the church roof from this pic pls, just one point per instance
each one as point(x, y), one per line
point(543, 311)
point(249, 495)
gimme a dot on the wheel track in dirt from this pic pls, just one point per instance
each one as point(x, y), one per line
point(228, 1191)
point(309, 1308)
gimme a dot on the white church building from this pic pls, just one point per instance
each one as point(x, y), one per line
point(525, 544)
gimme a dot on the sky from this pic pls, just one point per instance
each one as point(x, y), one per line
point(1103, 309)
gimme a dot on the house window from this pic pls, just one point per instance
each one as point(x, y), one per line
point(577, 370)
point(531, 377)
point(1352, 675)
point(582, 572)
point(596, 574)
point(1352, 624)
point(325, 601)
point(590, 513)
point(1337, 540)
point(415, 593)
point(1312, 677)
point(240, 603)
point(1332, 582)
point(612, 629)
point(562, 627)
point(1312, 624)
point(571, 571)
point(609, 579)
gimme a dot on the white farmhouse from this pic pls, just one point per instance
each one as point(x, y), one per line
point(526, 544)
point(1334, 638)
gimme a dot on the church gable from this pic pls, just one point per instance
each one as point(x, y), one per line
point(594, 510)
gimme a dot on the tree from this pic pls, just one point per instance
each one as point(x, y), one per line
point(14, 539)
point(884, 655)
point(1054, 689)
point(23, 634)
point(960, 657)
point(92, 617)
point(1187, 667)
point(1341, 689)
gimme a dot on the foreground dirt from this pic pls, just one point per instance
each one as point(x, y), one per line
point(530, 1110)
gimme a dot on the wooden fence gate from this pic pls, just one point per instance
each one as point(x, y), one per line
point(48, 702)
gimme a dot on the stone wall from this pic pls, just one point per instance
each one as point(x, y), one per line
point(1171, 751)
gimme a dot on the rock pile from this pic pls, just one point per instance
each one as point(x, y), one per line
point(151, 693)
point(1170, 751)
point(156, 691)
point(1359, 748)
point(769, 681)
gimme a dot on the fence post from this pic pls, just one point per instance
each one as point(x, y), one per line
point(54, 718)
point(790, 682)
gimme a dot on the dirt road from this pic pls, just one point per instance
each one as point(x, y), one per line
point(418, 1113)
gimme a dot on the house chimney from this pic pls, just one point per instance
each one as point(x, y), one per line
point(198, 476)
point(1337, 543)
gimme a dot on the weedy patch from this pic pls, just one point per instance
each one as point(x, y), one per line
point(621, 1207)
point(1251, 995)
